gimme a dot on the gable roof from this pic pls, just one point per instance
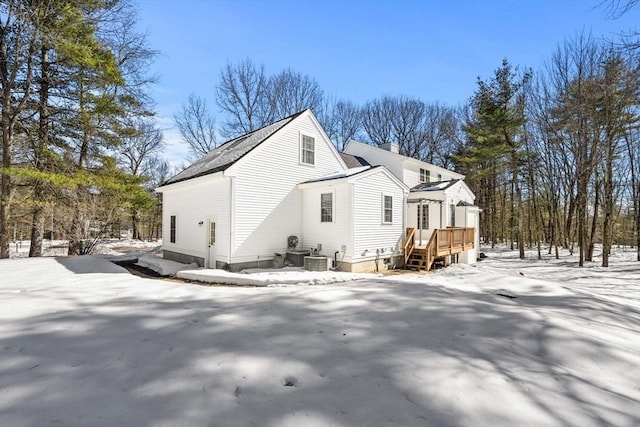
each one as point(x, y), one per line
point(339, 175)
point(354, 174)
point(230, 152)
point(360, 147)
point(353, 161)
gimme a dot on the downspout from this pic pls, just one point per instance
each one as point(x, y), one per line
point(232, 216)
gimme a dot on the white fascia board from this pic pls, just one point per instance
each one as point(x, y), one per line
point(402, 158)
point(379, 169)
point(427, 195)
point(417, 162)
point(191, 182)
point(320, 129)
point(458, 187)
point(320, 184)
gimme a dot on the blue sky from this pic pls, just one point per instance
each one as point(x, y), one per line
point(356, 49)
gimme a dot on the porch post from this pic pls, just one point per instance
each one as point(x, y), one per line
point(420, 213)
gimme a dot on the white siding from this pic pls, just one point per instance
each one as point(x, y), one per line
point(369, 231)
point(376, 156)
point(411, 176)
point(434, 221)
point(267, 201)
point(194, 201)
point(331, 235)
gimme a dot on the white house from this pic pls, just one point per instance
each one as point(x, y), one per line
point(237, 206)
point(438, 198)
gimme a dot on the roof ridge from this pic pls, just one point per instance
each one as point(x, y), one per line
point(228, 153)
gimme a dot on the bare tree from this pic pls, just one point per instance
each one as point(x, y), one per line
point(243, 95)
point(139, 148)
point(442, 134)
point(291, 92)
point(342, 120)
point(377, 119)
point(197, 126)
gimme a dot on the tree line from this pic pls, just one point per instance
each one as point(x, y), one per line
point(552, 154)
point(79, 143)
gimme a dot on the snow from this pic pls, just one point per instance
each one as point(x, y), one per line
point(20, 248)
point(342, 174)
point(163, 267)
point(272, 277)
point(84, 343)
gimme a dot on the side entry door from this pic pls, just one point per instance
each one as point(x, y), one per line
point(211, 261)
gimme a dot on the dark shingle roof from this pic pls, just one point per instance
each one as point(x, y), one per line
point(435, 186)
point(353, 161)
point(230, 152)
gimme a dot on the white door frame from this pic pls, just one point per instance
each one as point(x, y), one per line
point(210, 241)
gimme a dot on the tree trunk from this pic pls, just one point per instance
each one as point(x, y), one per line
point(37, 227)
point(39, 196)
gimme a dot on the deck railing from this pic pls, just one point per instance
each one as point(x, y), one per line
point(443, 242)
point(408, 245)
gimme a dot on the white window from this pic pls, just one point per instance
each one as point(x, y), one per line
point(326, 207)
point(453, 215)
point(423, 219)
point(172, 229)
point(439, 177)
point(308, 150)
point(425, 175)
point(387, 209)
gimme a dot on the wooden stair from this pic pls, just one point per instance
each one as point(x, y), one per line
point(443, 242)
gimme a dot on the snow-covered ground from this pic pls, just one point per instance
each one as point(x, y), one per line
point(502, 343)
point(20, 248)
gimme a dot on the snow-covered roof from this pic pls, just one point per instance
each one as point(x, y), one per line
point(340, 174)
point(434, 186)
point(230, 152)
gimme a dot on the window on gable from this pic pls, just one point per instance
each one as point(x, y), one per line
point(423, 220)
point(326, 207)
point(308, 150)
point(172, 229)
point(425, 175)
point(387, 209)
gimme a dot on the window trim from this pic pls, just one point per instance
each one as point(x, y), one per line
point(173, 228)
point(303, 150)
point(425, 175)
point(332, 207)
point(423, 216)
point(452, 215)
point(385, 209)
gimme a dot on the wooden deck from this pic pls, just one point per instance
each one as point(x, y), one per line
point(443, 242)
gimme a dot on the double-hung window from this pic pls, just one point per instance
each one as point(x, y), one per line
point(326, 207)
point(308, 150)
point(172, 229)
point(425, 175)
point(387, 209)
